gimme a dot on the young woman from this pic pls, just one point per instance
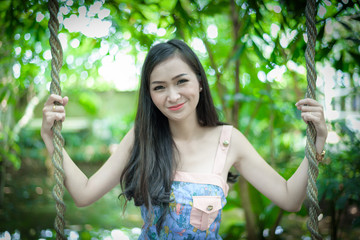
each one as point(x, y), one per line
point(175, 162)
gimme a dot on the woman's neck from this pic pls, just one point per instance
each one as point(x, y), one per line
point(185, 130)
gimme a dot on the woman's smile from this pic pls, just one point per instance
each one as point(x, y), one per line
point(176, 107)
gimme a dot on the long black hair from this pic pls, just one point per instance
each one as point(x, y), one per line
point(148, 175)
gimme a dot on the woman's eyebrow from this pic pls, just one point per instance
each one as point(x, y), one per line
point(177, 76)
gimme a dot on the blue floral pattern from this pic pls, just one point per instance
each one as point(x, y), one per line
point(177, 224)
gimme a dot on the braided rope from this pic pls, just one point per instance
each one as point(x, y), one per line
point(58, 140)
point(310, 151)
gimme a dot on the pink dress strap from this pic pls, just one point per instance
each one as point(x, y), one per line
point(222, 150)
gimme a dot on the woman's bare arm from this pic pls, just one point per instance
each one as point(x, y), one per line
point(85, 190)
point(287, 194)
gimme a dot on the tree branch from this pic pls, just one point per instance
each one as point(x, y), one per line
point(29, 112)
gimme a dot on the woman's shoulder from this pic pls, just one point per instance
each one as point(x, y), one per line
point(239, 142)
point(237, 147)
point(237, 135)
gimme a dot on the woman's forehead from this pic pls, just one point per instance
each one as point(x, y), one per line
point(170, 68)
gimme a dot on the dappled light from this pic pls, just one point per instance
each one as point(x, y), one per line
point(212, 31)
point(86, 21)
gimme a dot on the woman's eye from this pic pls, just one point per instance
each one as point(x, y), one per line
point(157, 88)
point(181, 81)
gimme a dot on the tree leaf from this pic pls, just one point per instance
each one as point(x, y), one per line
point(345, 25)
point(355, 56)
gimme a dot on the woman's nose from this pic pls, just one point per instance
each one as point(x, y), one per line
point(173, 95)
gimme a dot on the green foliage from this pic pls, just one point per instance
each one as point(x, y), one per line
point(339, 185)
point(235, 231)
point(254, 40)
point(89, 101)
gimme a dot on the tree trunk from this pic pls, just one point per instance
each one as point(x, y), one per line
point(252, 228)
point(333, 221)
point(6, 124)
point(272, 235)
point(271, 126)
point(2, 182)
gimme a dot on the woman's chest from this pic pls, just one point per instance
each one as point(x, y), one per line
point(201, 159)
point(196, 157)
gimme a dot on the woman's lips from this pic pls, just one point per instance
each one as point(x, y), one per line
point(176, 107)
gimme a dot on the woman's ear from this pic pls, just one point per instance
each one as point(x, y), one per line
point(199, 79)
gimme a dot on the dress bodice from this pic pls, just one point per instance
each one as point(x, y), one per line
point(198, 199)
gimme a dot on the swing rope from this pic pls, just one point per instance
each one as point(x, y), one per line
point(310, 150)
point(58, 140)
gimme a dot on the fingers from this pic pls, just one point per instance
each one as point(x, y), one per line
point(52, 111)
point(51, 117)
point(54, 98)
point(55, 108)
point(65, 101)
point(308, 102)
point(312, 111)
point(57, 101)
point(314, 117)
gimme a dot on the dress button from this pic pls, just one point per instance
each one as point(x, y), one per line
point(226, 143)
point(209, 208)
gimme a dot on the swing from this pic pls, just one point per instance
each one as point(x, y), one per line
point(310, 150)
point(58, 140)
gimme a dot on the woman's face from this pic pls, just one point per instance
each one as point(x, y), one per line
point(175, 89)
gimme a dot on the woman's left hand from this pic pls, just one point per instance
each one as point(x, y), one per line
point(312, 111)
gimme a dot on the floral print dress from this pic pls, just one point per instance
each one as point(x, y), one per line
point(196, 210)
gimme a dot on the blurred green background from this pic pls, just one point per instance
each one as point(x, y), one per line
point(253, 54)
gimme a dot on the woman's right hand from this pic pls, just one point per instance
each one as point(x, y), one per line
point(52, 113)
